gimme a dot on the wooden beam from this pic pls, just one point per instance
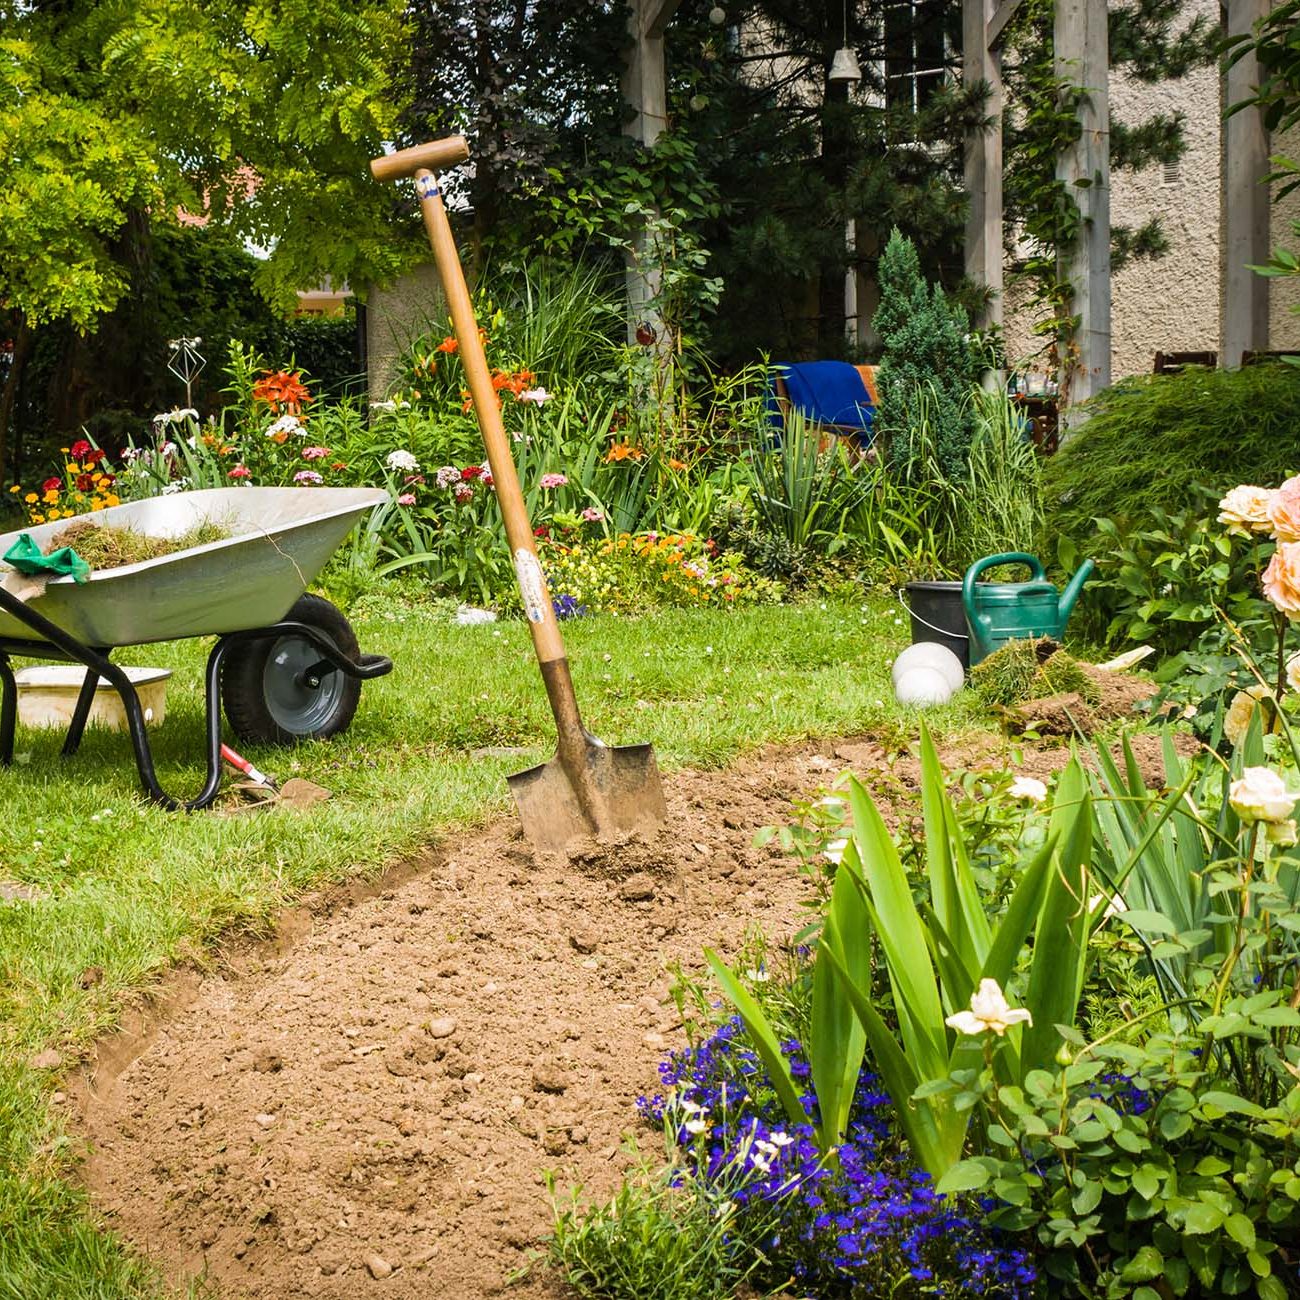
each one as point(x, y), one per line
point(1244, 200)
point(658, 14)
point(998, 20)
point(981, 64)
point(1083, 58)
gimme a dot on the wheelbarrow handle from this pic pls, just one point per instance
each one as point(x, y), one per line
point(540, 613)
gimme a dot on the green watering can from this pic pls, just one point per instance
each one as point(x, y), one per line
point(998, 612)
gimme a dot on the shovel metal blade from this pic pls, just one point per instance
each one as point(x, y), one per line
point(599, 792)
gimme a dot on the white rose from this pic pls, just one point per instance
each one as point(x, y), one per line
point(1028, 787)
point(1260, 795)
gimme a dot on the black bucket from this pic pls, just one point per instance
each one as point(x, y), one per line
point(938, 615)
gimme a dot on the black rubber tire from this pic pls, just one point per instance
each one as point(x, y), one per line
point(258, 689)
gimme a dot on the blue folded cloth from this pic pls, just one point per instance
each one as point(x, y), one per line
point(825, 392)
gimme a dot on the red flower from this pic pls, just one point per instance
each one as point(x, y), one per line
point(84, 482)
point(471, 472)
point(338, 464)
point(240, 471)
point(52, 485)
point(94, 455)
point(463, 494)
point(80, 448)
point(541, 531)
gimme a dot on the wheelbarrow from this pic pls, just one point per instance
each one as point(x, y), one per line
point(286, 666)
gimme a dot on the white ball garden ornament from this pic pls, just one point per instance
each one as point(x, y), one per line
point(921, 686)
point(930, 654)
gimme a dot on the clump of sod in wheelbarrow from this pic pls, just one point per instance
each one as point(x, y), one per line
point(104, 546)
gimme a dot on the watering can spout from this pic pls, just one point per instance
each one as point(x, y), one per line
point(1071, 593)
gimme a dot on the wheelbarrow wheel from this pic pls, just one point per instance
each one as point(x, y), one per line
point(263, 686)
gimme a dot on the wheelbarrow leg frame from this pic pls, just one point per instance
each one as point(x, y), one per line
point(98, 664)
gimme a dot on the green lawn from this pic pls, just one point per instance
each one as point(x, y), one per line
point(131, 888)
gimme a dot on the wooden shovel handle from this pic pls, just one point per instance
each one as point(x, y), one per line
point(542, 622)
point(406, 162)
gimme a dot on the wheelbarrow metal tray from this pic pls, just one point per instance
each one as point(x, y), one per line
point(280, 539)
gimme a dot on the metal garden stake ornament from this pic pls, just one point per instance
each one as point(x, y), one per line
point(588, 788)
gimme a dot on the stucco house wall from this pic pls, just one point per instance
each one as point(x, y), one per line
point(1172, 304)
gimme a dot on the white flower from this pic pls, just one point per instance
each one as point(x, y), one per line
point(757, 976)
point(176, 416)
point(286, 424)
point(447, 477)
point(537, 395)
point(401, 459)
point(1028, 787)
point(988, 1012)
point(696, 1126)
point(834, 851)
point(389, 406)
point(782, 1139)
point(1260, 795)
point(1236, 721)
point(1293, 672)
point(176, 485)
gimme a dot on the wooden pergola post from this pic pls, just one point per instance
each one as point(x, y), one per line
point(645, 88)
point(983, 22)
point(1244, 200)
point(1082, 56)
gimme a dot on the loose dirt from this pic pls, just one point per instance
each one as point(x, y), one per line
point(368, 1108)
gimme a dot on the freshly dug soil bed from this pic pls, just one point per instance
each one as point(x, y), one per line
point(368, 1108)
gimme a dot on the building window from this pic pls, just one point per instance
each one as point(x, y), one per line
point(917, 57)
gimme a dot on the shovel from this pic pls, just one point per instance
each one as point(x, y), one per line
point(588, 789)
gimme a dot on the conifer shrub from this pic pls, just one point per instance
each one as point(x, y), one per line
point(1150, 441)
point(925, 351)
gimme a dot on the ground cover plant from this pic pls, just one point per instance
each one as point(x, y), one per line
point(124, 889)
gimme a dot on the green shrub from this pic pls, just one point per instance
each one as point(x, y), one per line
point(924, 344)
point(1151, 440)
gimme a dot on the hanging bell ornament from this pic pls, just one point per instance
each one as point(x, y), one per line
point(717, 15)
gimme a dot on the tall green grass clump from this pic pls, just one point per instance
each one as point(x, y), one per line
point(1149, 441)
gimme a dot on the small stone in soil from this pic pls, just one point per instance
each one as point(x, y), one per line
point(442, 1027)
point(377, 1266)
point(637, 888)
point(584, 940)
point(549, 1077)
point(46, 1060)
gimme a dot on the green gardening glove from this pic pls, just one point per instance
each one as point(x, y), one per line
point(26, 556)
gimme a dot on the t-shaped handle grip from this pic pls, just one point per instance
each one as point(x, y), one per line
point(433, 156)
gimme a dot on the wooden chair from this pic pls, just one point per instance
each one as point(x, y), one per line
point(830, 431)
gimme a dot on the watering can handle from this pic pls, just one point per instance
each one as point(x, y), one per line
point(1033, 563)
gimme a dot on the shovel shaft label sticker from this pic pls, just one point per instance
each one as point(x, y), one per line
point(426, 186)
point(532, 585)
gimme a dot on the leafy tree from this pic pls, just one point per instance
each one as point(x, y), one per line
point(926, 362)
point(534, 88)
point(261, 116)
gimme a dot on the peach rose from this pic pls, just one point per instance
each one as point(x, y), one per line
point(1282, 579)
point(1284, 511)
point(1236, 722)
point(1245, 510)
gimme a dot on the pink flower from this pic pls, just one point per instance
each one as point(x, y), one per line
point(406, 499)
point(307, 476)
point(448, 476)
point(487, 480)
point(315, 453)
point(1283, 509)
point(593, 514)
point(413, 478)
point(535, 395)
point(240, 471)
point(1282, 579)
point(464, 493)
point(553, 480)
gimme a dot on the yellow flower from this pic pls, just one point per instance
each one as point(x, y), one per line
point(31, 498)
point(38, 519)
point(17, 487)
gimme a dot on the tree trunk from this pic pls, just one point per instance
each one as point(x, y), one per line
point(836, 142)
point(22, 339)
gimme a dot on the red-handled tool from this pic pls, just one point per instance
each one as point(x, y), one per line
point(241, 764)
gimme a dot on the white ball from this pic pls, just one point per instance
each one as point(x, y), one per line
point(930, 654)
point(922, 686)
